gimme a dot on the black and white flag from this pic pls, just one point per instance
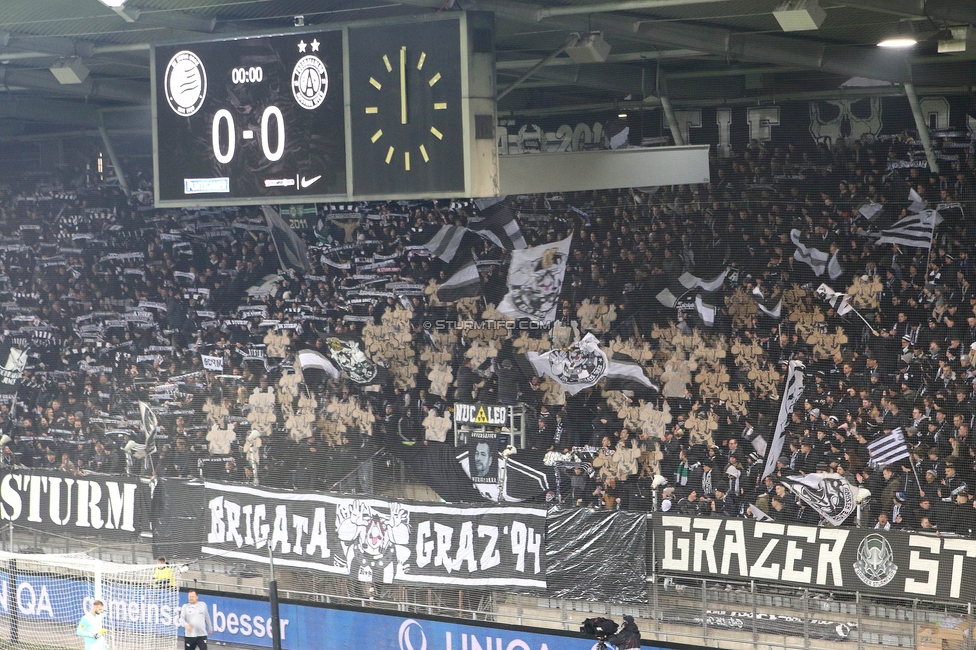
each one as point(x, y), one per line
point(446, 243)
point(706, 310)
point(870, 210)
point(13, 371)
point(917, 203)
point(535, 281)
point(453, 244)
point(579, 366)
point(671, 293)
point(150, 425)
point(690, 281)
point(791, 395)
point(463, 283)
point(628, 375)
point(500, 227)
point(914, 230)
point(820, 261)
point(350, 358)
point(215, 364)
point(315, 360)
point(829, 494)
point(888, 449)
point(839, 301)
point(292, 252)
point(767, 305)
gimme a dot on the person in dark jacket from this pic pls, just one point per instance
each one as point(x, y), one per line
point(628, 636)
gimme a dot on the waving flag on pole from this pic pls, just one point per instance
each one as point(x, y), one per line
point(499, 226)
point(292, 252)
point(829, 494)
point(914, 230)
point(836, 300)
point(791, 395)
point(150, 425)
point(535, 281)
point(818, 260)
point(14, 370)
point(888, 449)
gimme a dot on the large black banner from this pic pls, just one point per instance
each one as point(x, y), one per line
point(367, 538)
point(892, 563)
point(111, 507)
point(596, 555)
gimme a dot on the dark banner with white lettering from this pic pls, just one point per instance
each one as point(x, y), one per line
point(369, 539)
point(892, 563)
point(112, 507)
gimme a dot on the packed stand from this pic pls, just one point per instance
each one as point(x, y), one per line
point(118, 304)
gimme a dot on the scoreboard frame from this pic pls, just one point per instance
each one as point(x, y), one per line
point(472, 58)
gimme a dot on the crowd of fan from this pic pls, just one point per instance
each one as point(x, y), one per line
point(76, 406)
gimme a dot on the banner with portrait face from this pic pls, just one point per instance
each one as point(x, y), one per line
point(483, 452)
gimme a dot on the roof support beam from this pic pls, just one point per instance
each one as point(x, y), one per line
point(90, 88)
point(47, 44)
point(890, 66)
point(49, 110)
point(923, 128)
point(171, 19)
point(953, 11)
point(650, 55)
point(620, 5)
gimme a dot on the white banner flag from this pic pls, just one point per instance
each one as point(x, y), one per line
point(535, 280)
point(213, 363)
point(791, 395)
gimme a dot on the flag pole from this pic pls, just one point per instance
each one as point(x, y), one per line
point(870, 327)
point(911, 462)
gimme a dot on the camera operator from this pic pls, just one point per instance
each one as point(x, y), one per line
point(628, 637)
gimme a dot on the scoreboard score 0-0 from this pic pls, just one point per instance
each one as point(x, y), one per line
point(355, 112)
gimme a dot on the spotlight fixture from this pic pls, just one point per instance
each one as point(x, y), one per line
point(962, 39)
point(589, 48)
point(69, 71)
point(622, 116)
point(799, 15)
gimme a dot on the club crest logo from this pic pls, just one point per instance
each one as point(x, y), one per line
point(354, 361)
point(309, 82)
point(583, 363)
point(185, 83)
point(875, 564)
point(537, 283)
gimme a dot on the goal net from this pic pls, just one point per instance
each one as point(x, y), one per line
point(42, 598)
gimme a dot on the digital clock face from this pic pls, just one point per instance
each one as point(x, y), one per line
point(250, 120)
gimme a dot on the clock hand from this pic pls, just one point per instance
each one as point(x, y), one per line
point(403, 85)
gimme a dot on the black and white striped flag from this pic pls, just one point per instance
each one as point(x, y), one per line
point(500, 227)
point(464, 283)
point(446, 242)
point(914, 230)
point(888, 449)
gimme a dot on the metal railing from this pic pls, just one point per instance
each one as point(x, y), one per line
point(727, 614)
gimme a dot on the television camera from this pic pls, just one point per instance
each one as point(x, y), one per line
point(600, 629)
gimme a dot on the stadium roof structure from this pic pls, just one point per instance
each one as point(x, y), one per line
point(691, 52)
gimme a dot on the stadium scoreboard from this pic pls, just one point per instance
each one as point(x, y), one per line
point(364, 111)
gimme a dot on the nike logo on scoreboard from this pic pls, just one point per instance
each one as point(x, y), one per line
point(306, 182)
